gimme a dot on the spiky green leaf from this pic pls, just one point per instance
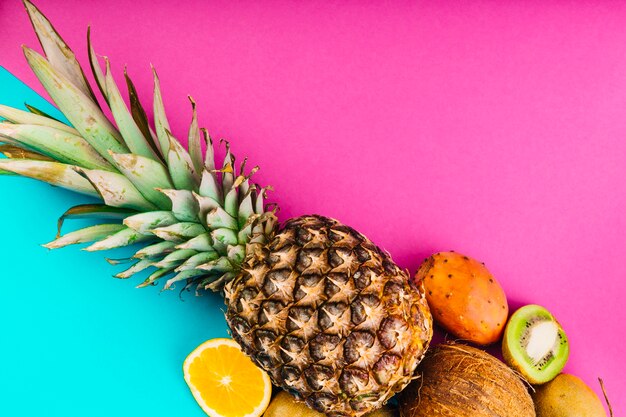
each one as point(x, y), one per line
point(218, 218)
point(133, 137)
point(124, 237)
point(116, 190)
point(96, 69)
point(216, 284)
point(155, 250)
point(87, 234)
point(245, 209)
point(222, 264)
point(228, 170)
point(209, 157)
point(175, 258)
point(40, 112)
point(225, 236)
point(17, 152)
point(101, 211)
point(198, 259)
point(23, 117)
point(145, 222)
point(139, 115)
point(138, 266)
point(58, 53)
point(60, 145)
point(182, 276)
point(180, 166)
point(184, 206)
point(54, 173)
point(200, 243)
point(259, 204)
point(244, 234)
point(179, 232)
point(210, 187)
point(206, 204)
point(236, 254)
point(160, 119)
point(231, 202)
point(193, 140)
point(79, 109)
point(159, 273)
point(147, 175)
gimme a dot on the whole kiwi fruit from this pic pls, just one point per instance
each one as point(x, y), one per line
point(567, 396)
point(457, 380)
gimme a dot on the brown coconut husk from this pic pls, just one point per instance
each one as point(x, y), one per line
point(457, 380)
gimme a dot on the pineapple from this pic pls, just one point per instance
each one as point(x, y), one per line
point(314, 303)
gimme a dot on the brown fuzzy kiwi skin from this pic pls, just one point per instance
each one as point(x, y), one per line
point(285, 405)
point(457, 380)
point(567, 396)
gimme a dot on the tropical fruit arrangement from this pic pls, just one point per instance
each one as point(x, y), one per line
point(314, 307)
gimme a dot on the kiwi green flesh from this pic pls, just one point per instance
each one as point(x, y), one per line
point(526, 327)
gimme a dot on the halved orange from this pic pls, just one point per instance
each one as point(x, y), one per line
point(225, 382)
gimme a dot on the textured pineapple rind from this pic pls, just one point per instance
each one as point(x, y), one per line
point(329, 316)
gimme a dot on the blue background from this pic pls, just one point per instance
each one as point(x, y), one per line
point(73, 340)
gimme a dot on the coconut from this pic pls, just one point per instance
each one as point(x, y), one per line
point(459, 380)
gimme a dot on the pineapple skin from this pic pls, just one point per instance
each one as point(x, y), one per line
point(329, 316)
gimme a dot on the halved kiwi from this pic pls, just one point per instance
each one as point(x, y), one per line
point(535, 344)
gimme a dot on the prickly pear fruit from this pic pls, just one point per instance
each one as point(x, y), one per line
point(464, 298)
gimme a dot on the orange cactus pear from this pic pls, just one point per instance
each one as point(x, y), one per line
point(464, 298)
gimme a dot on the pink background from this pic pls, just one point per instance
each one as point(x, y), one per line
point(497, 130)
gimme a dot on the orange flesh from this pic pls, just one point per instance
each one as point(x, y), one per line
point(222, 379)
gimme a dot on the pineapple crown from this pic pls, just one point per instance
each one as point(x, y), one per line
point(196, 222)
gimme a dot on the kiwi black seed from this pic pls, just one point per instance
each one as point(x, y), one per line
point(535, 344)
